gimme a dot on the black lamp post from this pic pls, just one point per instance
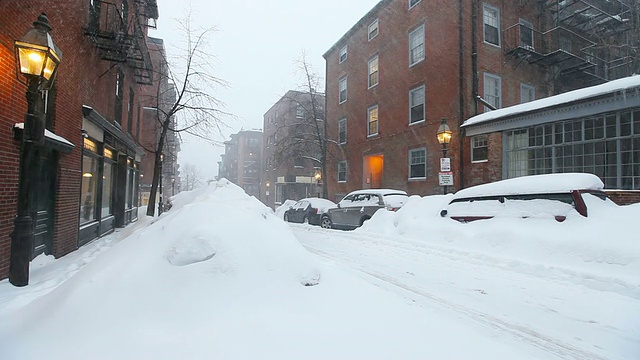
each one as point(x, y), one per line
point(37, 60)
point(173, 186)
point(444, 138)
point(318, 177)
point(160, 204)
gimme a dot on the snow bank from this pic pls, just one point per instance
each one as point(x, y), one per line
point(602, 250)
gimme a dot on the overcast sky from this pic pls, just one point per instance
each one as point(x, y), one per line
point(256, 45)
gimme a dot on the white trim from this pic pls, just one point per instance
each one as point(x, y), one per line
point(377, 120)
point(414, 5)
point(486, 7)
point(345, 130)
point(409, 163)
point(377, 59)
point(424, 45)
point(484, 89)
point(346, 84)
point(340, 60)
point(424, 100)
point(374, 24)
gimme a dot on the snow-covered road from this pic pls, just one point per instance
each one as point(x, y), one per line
point(561, 312)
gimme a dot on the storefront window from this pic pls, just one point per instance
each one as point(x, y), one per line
point(89, 188)
point(107, 188)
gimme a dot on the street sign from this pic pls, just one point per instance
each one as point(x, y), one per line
point(445, 178)
point(445, 164)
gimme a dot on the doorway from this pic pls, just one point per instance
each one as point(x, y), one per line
point(373, 169)
point(42, 202)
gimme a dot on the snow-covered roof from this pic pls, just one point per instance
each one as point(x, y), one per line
point(534, 184)
point(568, 97)
point(379, 191)
point(47, 134)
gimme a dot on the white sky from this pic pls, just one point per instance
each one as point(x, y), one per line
point(221, 277)
point(255, 48)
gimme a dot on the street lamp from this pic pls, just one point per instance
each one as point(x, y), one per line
point(37, 59)
point(173, 186)
point(318, 177)
point(444, 138)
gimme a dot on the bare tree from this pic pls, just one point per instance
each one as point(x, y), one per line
point(187, 94)
point(304, 135)
point(191, 177)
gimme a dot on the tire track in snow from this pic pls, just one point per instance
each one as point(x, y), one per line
point(527, 335)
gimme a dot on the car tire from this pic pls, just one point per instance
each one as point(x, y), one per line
point(326, 223)
point(286, 217)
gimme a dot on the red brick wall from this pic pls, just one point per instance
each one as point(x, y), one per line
point(624, 197)
point(83, 79)
point(440, 73)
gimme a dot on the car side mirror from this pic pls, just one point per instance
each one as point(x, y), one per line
point(443, 213)
point(338, 206)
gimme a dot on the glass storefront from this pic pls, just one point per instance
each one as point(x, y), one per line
point(607, 145)
point(108, 181)
point(89, 189)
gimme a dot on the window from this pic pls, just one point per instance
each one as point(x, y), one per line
point(89, 187)
point(373, 72)
point(479, 148)
point(342, 171)
point(416, 46)
point(119, 96)
point(416, 105)
point(342, 90)
point(527, 93)
point(526, 34)
point(413, 3)
point(342, 131)
point(342, 54)
point(418, 163)
point(491, 18)
point(373, 29)
point(372, 121)
point(108, 182)
point(493, 90)
point(299, 111)
point(130, 110)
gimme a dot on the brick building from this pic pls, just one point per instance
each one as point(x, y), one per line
point(240, 162)
point(408, 63)
point(88, 167)
point(154, 101)
point(291, 150)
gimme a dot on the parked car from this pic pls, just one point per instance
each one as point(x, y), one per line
point(358, 206)
point(554, 196)
point(308, 210)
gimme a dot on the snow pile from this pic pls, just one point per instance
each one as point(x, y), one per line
point(602, 248)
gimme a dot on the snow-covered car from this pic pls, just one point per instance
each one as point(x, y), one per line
point(358, 206)
point(554, 196)
point(308, 210)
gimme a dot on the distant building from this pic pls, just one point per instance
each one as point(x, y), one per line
point(291, 154)
point(240, 162)
point(408, 63)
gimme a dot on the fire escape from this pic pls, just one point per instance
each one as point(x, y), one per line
point(119, 33)
point(589, 42)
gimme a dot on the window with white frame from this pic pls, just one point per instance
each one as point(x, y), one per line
point(492, 90)
point(342, 90)
point(526, 34)
point(342, 171)
point(342, 54)
point(416, 105)
point(342, 131)
point(479, 148)
point(372, 121)
point(491, 16)
point(418, 163)
point(413, 3)
point(299, 111)
point(373, 72)
point(527, 93)
point(373, 29)
point(416, 46)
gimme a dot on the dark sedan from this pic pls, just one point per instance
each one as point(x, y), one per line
point(308, 210)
